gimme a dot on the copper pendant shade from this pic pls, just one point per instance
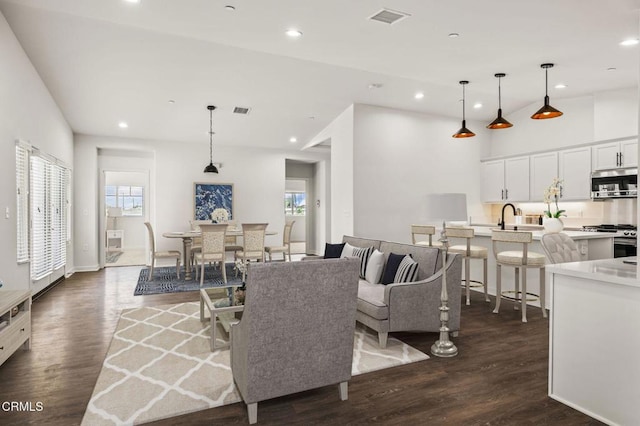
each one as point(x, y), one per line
point(211, 168)
point(499, 122)
point(547, 111)
point(463, 132)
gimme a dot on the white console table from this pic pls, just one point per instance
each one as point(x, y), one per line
point(115, 239)
point(15, 322)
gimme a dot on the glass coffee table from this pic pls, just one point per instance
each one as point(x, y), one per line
point(223, 310)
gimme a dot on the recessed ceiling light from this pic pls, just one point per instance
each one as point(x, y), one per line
point(629, 42)
point(454, 35)
point(560, 86)
point(375, 85)
point(132, 1)
point(123, 125)
point(171, 101)
point(419, 95)
point(293, 140)
point(477, 105)
point(612, 69)
point(230, 8)
point(293, 33)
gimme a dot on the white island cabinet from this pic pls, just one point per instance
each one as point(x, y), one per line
point(594, 339)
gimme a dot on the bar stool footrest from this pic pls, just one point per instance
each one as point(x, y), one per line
point(517, 296)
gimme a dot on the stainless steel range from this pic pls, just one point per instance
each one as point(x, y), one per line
point(625, 241)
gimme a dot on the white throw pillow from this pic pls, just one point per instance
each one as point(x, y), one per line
point(347, 250)
point(375, 267)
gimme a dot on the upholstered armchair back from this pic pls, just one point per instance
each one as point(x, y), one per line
point(297, 328)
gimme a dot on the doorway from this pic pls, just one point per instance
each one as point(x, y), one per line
point(295, 206)
point(125, 198)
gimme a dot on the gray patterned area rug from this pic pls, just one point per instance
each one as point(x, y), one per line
point(165, 280)
point(160, 365)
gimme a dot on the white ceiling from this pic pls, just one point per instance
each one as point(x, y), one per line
point(106, 61)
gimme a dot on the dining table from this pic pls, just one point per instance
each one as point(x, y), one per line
point(187, 243)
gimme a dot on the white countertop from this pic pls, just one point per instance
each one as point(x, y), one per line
point(615, 271)
point(485, 231)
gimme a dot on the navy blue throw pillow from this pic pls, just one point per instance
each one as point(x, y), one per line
point(333, 251)
point(390, 270)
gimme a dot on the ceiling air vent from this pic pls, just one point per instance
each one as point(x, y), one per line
point(241, 110)
point(389, 16)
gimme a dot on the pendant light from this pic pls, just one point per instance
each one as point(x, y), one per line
point(499, 122)
point(547, 111)
point(211, 168)
point(463, 132)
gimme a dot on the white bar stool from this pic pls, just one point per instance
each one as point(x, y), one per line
point(427, 230)
point(520, 260)
point(469, 252)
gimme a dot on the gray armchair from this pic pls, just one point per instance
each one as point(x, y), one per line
point(296, 332)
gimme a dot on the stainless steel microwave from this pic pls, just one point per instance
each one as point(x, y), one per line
point(614, 183)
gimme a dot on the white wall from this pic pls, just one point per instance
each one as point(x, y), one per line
point(400, 157)
point(258, 176)
point(28, 113)
point(574, 127)
point(615, 114)
point(340, 133)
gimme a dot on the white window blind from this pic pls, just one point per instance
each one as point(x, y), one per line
point(22, 203)
point(49, 215)
point(41, 257)
point(58, 211)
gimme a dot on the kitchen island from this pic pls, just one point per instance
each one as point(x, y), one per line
point(594, 343)
point(592, 245)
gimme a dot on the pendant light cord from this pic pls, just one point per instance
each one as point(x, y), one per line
point(463, 118)
point(546, 82)
point(211, 136)
point(499, 94)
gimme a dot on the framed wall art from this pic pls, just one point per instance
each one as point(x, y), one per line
point(208, 197)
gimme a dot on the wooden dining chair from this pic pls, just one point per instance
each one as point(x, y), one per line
point(231, 241)
point(252, 244)
point(171, 254)
point(212, 250)
point(285, 248)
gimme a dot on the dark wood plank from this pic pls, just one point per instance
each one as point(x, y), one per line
point(498, 378)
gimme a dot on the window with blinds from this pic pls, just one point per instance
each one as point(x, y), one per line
point(22, 203)
point(49, 216)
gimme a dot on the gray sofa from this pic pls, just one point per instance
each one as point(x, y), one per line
point(296, 331)
point(409, 306)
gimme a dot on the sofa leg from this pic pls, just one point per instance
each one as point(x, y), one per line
point(382, 339)
point(344, 391)
point(252, 411)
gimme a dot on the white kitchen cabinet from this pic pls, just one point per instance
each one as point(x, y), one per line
point(574, 166)
point(615, 155)
point(505, 180)
point(493, 181)
point(543, 169)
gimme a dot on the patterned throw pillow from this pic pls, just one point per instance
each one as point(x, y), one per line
point(364, 253)
point(407, 271)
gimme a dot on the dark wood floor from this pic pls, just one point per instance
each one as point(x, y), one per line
point(498, 378)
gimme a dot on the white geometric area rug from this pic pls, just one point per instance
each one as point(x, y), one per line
point(160, 365)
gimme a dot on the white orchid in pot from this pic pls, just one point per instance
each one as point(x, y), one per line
point(552, 222)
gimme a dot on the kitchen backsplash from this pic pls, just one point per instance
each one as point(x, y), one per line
point(577, 213)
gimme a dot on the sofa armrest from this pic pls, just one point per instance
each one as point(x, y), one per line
point(412, 303)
